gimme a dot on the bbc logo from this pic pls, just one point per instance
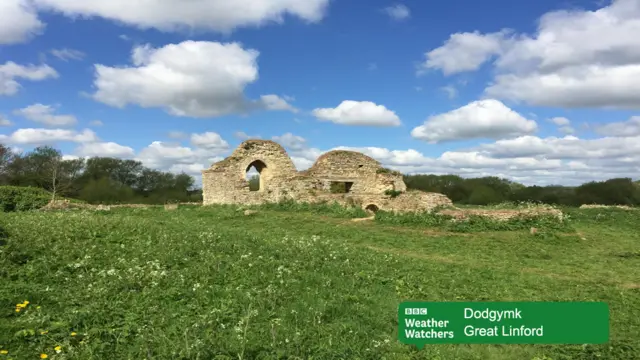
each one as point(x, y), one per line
point(415, 311)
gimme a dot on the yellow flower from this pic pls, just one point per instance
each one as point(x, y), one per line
point(44, 332)
point(17, 309)
point(58, 348)
point(26, 302)
point(43, 356)
point(74, 333)
point(4, 352)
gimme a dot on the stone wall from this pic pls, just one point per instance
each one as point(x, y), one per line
point(364, 178)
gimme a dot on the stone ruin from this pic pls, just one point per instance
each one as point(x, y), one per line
point(345, 177)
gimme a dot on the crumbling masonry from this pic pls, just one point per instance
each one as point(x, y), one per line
point(362, 180)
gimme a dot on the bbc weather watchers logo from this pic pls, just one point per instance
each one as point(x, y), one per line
point(415, 311)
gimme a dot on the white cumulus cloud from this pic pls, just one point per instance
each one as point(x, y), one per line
point(576, 58)
point(209, 140)
point(290, 141)
point(560, 121)
point(31, 136)
point(244, 136)
point(365, 113)
point(104, 149)
point(464, 52)
point(10, 72)
point(398, 12)
point(193, 78)
point(66, 54)
point(4, 121)
point(274, 102)
point(194, 15)
point(564, 124)
point(627, 128)
point(19, 22)
point(489, 119)
point(174, 157)
point(44, 114)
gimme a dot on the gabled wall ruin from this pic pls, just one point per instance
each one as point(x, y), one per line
point(364, 181)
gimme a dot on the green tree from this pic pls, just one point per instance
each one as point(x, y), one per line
point(484, 195)
point(106, 191)
point(6, 158)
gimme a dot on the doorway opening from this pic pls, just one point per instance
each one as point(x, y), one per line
point(372, 208)
point(254, 175)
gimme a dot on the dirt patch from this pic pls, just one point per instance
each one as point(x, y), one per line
point(631, 286)
point(363, 219)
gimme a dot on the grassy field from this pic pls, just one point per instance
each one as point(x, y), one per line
point(212, 283)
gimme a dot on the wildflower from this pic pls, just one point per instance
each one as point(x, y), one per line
point(58, 348)
point(74, 333)
point(43, 356)
point(4, 352)
point(44, 332)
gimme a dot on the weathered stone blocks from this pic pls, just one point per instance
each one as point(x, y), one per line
point(363, 180)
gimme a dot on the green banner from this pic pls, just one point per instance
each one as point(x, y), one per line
point(422, 323)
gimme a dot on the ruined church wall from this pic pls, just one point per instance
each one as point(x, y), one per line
point(363, 171)
point(225, 181)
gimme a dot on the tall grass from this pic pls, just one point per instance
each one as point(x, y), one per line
point(333, 209)
point(473, 223)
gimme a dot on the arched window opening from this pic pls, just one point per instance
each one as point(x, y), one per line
point(254, 175)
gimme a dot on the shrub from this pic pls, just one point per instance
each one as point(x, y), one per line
point(384, 170)
point(16, 198)
point(322, 208)
point(393, 193)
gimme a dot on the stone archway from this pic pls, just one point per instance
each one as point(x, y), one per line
point(261, 170)
point(372, 208)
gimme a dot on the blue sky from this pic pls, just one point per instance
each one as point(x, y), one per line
point(540, 92)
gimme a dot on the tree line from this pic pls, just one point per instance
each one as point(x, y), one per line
point(494, 190)
point(105, 180)
point(96, 180)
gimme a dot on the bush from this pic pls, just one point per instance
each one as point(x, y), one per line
point(393, 193)
point(16, 198)
point(333, 209)
point(383, 170)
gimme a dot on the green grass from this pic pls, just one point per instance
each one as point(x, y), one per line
point(212, 283)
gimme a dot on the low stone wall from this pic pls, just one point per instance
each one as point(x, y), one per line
point(68, 205)
point(595, 206)
point(503, 214)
